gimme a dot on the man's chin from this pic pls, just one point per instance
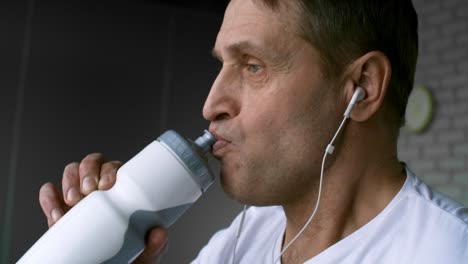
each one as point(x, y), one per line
point(243, 194)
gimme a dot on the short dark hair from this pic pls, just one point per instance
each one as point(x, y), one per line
point(344, 30)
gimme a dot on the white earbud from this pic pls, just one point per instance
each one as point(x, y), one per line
point(358, 95)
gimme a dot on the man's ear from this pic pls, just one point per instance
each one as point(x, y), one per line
point(372, 72)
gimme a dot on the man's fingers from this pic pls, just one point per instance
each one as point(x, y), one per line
point(71, 184)
point(156, 241)
point(156, 245)
point(108, 174)
point(51, 203)
point(89, 170)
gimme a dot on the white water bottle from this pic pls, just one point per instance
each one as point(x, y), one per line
point(152, 189)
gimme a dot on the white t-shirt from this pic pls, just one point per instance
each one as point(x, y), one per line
point(417, 226)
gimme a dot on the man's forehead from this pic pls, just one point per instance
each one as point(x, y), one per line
point(248, 27)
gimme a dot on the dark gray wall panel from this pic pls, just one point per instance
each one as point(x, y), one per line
point(12, 20)
point(92, 86)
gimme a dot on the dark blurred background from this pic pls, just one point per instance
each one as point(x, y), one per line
point(110, 76)
point(101, 76)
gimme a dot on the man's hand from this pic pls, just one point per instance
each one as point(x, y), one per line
point(79, 180)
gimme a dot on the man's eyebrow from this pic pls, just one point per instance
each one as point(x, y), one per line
point(241, 47)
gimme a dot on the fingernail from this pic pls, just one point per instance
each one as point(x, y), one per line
point(103, 182)
point(73, 195)
point(56, 214)
point(89, 184)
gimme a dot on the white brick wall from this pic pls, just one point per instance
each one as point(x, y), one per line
point(440, 155)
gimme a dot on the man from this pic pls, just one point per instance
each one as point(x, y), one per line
point(289, 70)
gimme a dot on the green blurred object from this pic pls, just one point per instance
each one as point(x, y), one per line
point(419, 109)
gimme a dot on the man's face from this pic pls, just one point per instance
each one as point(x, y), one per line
point(270, 107)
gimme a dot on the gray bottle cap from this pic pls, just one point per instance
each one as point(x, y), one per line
point(193, 156)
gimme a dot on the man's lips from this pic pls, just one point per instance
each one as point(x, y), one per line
point(220, 146)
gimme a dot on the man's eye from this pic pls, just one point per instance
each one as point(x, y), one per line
point(252, 68)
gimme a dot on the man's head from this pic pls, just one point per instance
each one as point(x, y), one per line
point(344, 30)
point(289, 69)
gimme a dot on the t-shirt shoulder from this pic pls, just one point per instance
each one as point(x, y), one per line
point(435, 201)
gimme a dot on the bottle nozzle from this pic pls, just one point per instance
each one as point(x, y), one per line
point(205, 141)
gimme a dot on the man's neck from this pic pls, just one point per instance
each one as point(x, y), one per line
point(352, 195)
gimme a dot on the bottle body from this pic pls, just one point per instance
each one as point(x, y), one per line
point(152, 189)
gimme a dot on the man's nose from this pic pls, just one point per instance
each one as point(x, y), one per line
point(223, 101)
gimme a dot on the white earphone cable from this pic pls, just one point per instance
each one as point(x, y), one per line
point(358, 95)
point(329, 150)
